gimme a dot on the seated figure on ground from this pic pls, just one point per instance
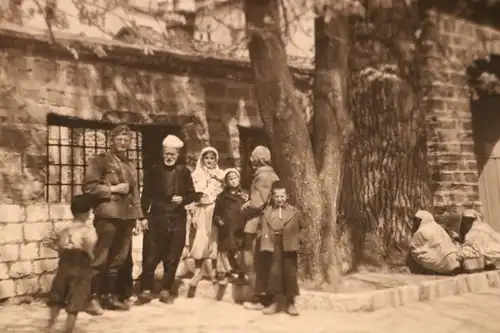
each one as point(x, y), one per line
point(480, 244)
point(432, 248)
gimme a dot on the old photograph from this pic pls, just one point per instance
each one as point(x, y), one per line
point(271, 166)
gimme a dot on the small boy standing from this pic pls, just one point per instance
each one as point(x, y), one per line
point(280, 224)
point(75, 244)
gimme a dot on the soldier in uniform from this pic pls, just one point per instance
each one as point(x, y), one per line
point(167, 189)
point(111, 179)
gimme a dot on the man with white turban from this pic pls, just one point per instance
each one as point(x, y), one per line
point(168, 187)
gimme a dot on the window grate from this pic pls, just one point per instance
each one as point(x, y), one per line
point(69, 148)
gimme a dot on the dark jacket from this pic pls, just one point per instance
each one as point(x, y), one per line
point(290, 225)
point(158, 191)
point(228, 209)
point(104, 171)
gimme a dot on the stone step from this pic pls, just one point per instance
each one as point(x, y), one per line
point(366, 301)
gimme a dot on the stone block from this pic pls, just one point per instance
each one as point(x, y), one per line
point(35, 232)
point(29, 251)
point(493, 279)
point(60, 212)
point(7, 289)
point(11, 233)
point(446, 288)
point(21, 269)
point(27, 286)
point(46, 252)
point(46, 282)
point(385, 299)
point(12, 213)
point(408, 294)
point(37, 213)
point(477, 282)
point(428, 291)
point(9, 252)
point(462, 285)
point(4, 271)
point(45, 266)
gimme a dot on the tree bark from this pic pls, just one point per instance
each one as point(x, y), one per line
point(386, 179)
point(284, 122)
point(331, 130)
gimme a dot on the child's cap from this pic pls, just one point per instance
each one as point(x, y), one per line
point(279, 184)
point(81, 204)
point(231, 170)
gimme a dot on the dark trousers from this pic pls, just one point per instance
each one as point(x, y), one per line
point(125, 281)
point(252, 263)
point(162, 242)
point(71, 285)
point(279, 271)
point(114, 238)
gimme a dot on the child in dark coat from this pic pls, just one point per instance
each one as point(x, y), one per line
point(230, 224)
point(75, 244)
point(280, 225)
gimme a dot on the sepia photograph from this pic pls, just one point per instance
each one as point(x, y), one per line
point(261, 166)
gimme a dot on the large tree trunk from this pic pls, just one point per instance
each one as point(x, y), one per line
point(386, 179)
point(332, 126)
point(284, 122)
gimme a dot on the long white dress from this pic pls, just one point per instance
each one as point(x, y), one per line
point(210, 182)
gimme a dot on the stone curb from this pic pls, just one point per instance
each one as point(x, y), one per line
point(375, 300)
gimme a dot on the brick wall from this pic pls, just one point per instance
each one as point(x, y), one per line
point(208, 98)
point(451, 145)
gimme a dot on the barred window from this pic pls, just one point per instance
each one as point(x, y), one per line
point(70, 144)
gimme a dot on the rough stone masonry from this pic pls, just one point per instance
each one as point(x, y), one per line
point(207, 97)
point(204, 94)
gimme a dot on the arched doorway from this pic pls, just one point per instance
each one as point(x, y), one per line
point(485, 108)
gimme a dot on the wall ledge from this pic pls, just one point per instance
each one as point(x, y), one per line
point(161, 59)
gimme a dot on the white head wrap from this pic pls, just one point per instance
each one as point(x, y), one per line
point(171, 141)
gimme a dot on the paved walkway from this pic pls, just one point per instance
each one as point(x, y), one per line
point(468, 313)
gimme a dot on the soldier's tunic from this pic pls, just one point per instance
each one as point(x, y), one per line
point(71, 285)
point(115, 216)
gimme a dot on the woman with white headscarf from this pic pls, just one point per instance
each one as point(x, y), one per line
point(480, 243)
point(431, 246)
point(208, 179)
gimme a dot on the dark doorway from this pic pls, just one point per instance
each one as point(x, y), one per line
point(152, 138)
point(486, 128)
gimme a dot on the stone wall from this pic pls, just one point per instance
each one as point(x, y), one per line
point(26, 266)
point(208, 97)
point(451, 146)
